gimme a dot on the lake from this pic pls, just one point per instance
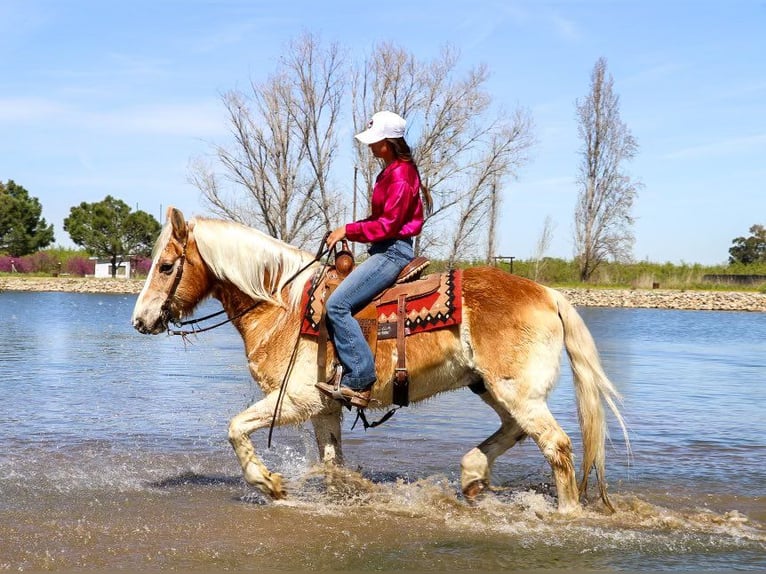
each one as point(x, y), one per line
point(115, 455)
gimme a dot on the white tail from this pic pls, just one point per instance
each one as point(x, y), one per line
point(592, 386)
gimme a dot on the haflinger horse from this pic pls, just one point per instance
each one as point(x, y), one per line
point(507, 349)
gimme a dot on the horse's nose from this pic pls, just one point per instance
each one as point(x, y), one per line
point(139, 325)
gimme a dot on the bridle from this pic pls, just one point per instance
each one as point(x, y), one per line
point(167, 314)
point(165, 309)
point(194, 322)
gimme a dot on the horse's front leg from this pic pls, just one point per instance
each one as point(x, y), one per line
point(327, 431)
point(256, 417)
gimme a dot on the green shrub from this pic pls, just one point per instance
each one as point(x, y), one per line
point(638, 275)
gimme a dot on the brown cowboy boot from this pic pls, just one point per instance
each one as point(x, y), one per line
point(333, 388)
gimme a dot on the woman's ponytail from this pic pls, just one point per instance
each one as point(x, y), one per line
point(403, 152)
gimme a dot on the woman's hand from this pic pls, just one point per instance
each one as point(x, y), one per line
point(335, 236)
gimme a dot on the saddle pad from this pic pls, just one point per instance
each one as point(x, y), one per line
point(434, 309)
point(425, 312)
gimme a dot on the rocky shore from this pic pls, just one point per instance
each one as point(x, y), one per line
point(636, 298)
point(668, 299)
point(70, 284)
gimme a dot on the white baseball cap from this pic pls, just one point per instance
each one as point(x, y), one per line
point(382, 125)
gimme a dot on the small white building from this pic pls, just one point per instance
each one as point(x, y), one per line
point(103, 268)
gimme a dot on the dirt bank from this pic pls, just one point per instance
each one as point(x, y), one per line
point(639, 298)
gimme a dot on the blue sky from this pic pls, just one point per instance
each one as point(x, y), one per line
point(117, 97)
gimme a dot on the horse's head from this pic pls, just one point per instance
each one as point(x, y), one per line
point(178, 279)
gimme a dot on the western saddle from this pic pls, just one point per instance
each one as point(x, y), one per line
point(404, 287)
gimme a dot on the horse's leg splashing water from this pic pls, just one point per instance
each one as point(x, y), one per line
point(242, 426)
point(327, 431)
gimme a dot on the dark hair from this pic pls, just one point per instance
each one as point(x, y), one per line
point(403, 152)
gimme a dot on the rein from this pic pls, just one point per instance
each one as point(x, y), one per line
point(283, 386)
point(194, 330)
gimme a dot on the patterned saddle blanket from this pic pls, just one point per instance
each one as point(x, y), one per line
point(433, 302)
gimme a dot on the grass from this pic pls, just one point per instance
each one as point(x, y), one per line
point(549, 271)
point(641, 275)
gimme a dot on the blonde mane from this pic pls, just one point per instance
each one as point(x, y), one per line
point(256, 263)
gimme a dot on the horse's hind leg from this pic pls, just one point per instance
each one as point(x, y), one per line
point(476, 465)
point(536, 420)
point(556, 447)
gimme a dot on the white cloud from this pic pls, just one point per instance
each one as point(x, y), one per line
point(653, 74)
point(232, 34)
point(729, 146)
point(552, 185)
point(26, 110)
point(197, 119)
point(564, 28)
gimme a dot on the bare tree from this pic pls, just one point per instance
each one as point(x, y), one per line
point(492, 215)
point(518, 139)
point(542, 245)
point(284, 146)
point(276, 173)
point(463, 153)
point(603, 219)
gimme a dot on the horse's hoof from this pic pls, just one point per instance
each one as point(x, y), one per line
point(276, 490)
point(570, 510)
point(475, 488)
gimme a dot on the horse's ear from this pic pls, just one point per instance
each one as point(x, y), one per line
point(178, 222)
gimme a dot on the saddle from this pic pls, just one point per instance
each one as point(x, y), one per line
point(411, 305)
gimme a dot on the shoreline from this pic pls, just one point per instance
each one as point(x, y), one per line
point(579, 296)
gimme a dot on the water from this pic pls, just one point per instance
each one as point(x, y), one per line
point(114, 455)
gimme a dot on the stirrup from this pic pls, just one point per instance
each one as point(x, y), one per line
point(335, 380)
point(347, 396)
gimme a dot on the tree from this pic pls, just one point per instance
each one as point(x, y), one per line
point(22, 229)
point(749, 249)
point(541, 247)
point(108, 228)
point(464, 151)
point(284, 147)
point(603, 215)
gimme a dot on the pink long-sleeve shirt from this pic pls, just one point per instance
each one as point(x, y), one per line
point(397, 210)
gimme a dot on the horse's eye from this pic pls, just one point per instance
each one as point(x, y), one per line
point(166, 268)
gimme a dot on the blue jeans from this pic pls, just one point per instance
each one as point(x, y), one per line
point(373, 275)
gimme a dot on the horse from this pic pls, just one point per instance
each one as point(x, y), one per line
point(507, 349)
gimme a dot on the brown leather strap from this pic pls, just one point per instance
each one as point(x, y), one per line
point(322, 345)
point(401, 379)
point(323, 336)
point(401, 317)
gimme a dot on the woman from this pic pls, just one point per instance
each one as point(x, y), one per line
point(397, 217)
